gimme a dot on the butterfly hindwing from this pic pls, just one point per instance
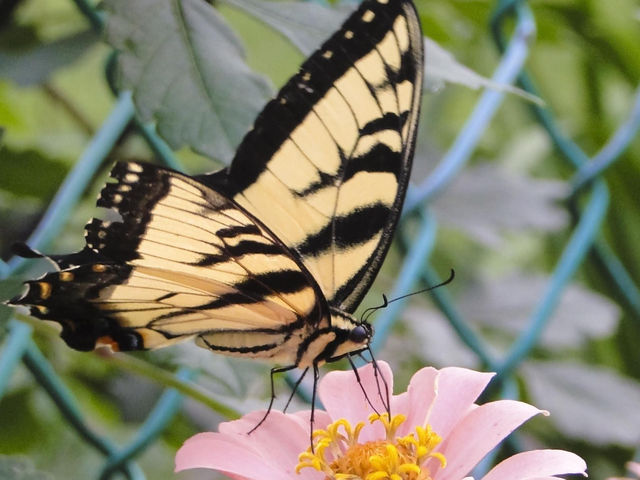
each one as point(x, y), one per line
point(327, 163)
point(183, 261)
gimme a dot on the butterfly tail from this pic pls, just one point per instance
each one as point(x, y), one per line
point(68, 297)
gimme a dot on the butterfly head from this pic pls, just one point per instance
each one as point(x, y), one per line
point(352, 335)
point(361, 334)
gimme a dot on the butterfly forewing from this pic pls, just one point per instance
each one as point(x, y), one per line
point(327, 163)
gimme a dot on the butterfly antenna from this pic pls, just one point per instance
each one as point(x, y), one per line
point(369, 311)
point(452, 275)
point(364, 391)
point(273, 394)
point(385, 302)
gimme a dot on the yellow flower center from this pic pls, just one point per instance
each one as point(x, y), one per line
point(339, 456)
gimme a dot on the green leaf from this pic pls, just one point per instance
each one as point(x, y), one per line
point(187, 71)
point(17, 173)
point(305, 24)
point(442, 67)
point(33, 62)
point(308, 24)
point(20, 468)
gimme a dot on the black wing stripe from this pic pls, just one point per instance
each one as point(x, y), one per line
point(223, 346)
point(325, 239)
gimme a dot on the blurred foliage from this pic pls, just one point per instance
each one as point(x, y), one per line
point(503, 220)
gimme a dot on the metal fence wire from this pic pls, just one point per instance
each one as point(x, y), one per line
point(587, 204)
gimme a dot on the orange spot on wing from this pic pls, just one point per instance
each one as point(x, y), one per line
point(107, 341)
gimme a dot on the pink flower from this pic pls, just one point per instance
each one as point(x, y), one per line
point(436, 432)
point(633, 467)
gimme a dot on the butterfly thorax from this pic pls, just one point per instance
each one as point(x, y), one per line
point(335, 337)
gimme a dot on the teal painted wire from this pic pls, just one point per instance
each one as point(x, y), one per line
point(159, 146)
point(65, 401)
point(95, 17)
point(510, 65)
point(618, 276)
point(572, 257)
point(164, 411)
point(12, 351)
point(501, 10)
point(619, 141)
point(421, 247)
point(612, 267)
point(79, 177)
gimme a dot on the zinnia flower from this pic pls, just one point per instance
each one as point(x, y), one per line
point(633, 467)
point(436, 432)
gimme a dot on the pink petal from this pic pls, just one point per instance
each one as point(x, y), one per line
point(634, 467)
point(224, 453)
point(401, 404)
point(477, 433)
point(537, 464)
point(342, 397)
point(457, 389)
point(320, 421)
point(422, 394)
point(280, 439)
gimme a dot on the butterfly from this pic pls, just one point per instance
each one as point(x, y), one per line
point(269, 257)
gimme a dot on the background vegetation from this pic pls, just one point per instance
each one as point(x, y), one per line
point(504, 221)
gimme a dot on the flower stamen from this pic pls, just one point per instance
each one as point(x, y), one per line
point(339, 456)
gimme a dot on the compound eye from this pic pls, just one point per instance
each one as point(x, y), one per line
point(359, 334)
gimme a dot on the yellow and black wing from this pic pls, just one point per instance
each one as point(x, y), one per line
point(268, 257)
point(327, 163)
point(183, 261)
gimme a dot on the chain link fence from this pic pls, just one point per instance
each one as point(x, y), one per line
point(584, 241)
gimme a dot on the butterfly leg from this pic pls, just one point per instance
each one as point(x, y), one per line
point(386, 400)
point(316, 376)
point(273, 393)
point(364, 391)
point(295, 388)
